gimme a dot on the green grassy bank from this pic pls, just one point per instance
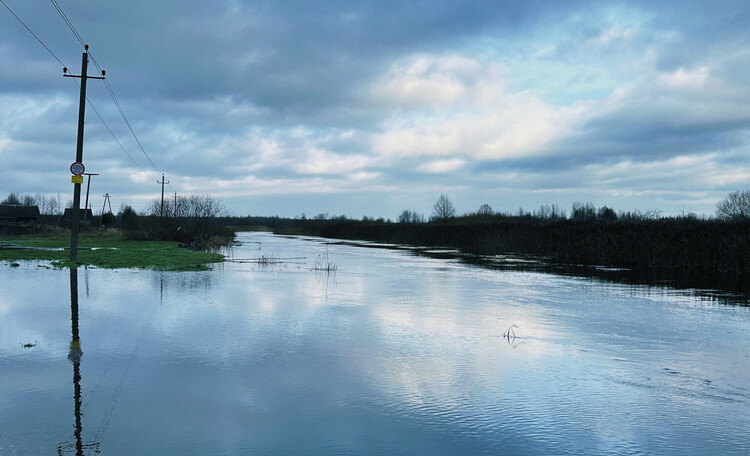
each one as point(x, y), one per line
point(105, 248)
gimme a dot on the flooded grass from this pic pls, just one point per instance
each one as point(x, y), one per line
point(105, 249)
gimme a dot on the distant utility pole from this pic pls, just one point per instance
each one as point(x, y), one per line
point(106, 202)
point(161, 213)
point(88, 187)
point(79, 148)
point(175, 205)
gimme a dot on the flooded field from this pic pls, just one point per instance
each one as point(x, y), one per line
point(298, 346)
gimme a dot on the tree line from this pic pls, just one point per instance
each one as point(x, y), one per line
point(735, 206)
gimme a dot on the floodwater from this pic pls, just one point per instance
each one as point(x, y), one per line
point(391, 353)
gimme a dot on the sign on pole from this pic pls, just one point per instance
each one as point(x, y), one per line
point(77, 168)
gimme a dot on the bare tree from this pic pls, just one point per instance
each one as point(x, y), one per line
point(408, 216)
point(485, 209)
point(195, 206)
point(443, 209)
point(735, 206)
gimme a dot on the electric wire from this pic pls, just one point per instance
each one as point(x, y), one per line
point(107, 85)
point(33, 34)
point(67, 21)
point(91, 105)
point(76, 82)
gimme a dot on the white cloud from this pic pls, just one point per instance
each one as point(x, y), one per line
point(363, 176)
point(426, 80)
point(319, 161)
point(471, 117)
point(441, 166)
point(139, 177)
point(683, 79)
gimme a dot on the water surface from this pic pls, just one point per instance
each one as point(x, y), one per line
point(392, 353)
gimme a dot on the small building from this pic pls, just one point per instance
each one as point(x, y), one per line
point(18, 217)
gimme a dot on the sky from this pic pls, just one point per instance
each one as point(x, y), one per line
point(372, 107)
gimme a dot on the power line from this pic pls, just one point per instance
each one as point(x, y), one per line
point(127, 122)
point(114, 137)
point(106, 83)
point(33, 34)
point(67, 21)
point(76, 82)
point(110, 90)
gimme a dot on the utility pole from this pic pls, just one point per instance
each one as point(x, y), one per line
point(88, 187)
point(79, 147)
point(161, 213)
point(106, 200)
point(175, 204)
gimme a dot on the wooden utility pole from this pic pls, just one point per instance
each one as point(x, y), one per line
point(88, 187)
point(175, 205)
point(79, 147)
point(161, 213)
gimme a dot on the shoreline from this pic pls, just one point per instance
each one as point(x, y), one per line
point(685, 253)
point(104, 249)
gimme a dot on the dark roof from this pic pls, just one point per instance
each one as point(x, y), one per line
point(87, 213)
point(19, 211)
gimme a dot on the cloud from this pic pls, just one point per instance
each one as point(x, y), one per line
point(586, 100)
point(475, 117)
point(683, 79)
point(441, 166)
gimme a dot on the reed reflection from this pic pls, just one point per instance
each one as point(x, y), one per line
point(74, 356)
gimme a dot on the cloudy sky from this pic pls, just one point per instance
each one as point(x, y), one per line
point(372, 107)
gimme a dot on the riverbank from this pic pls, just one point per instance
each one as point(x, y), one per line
point(710, 253)
point(103, 248)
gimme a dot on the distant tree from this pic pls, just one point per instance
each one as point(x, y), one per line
point(27, 200)
point(129, 219)
point(735, 206)
point(321, 216)
point(549, 212)
point(408, 216)
point(443, 209)
point(12, 198)
point(54, 206)
point(606, 214)
point(582, 212)
point(485, 209)
point(192, 206)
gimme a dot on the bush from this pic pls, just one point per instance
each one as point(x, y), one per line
point(129, 220)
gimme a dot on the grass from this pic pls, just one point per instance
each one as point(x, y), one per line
point(323, 263)
point(105, 249)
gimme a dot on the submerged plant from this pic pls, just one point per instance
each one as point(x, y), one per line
point(323, 263)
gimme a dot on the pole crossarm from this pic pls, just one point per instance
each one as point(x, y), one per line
point(79, 76)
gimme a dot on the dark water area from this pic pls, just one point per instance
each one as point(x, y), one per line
point(395, 352)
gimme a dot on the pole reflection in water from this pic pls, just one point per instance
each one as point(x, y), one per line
point(74, 356)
